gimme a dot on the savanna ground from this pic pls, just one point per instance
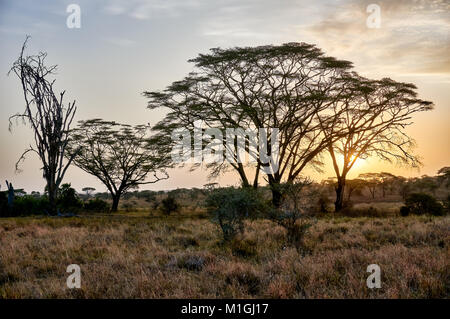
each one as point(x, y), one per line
point(137, 255)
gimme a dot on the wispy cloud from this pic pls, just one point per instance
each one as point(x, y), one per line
point(413, 38)
point(121, 42)
point(147, 9)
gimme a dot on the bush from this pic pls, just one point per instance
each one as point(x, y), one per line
point(447, 204)
point(243, 248)
point(68, 200)
point(294, 213)
point(404, 211)
point(169, 205)
point(229, 207)
point(29, 205)
point(420, 204)
point(323, 203)
point(96, 205)
point(364, 212)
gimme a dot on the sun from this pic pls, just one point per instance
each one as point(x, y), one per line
point(359, 163)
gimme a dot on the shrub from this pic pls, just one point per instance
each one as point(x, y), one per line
point(29, 205)
point(294, 212)
point(129, 206)
point(323, 203)
point(229, 207)
point(68, 199)
point(243, 248)
point(447, 204)
point(96, 205)
point(364, 212)
point(404, 211)
point(420, 204)
point(169, 205)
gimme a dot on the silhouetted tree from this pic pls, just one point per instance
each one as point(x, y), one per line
point(372, 117)
point(88, 190)
point(119, 155)
point(371, 181)
point(352, 186)
point(48, 116)
point(289, 87)
point(444, 176)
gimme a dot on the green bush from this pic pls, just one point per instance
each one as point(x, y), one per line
point(420, 204)
point(29, 205)
point(96, 205)
point(68, 199)
point(169, 205)
point(229, 207)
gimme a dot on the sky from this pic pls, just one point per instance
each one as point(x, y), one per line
point(125, 47)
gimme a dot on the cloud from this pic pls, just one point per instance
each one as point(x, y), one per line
point(115, 9)
point(146, 9)
point(413, 38)
point(260, 19)
point(121, 42)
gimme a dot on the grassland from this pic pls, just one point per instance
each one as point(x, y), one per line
point(134, 255)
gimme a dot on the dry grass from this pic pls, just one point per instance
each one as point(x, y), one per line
point(135, 256)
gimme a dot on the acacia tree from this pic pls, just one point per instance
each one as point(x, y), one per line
point(289, 87)
point(444, 176)
point(371, 181)
point(49, 117)
point(371, 117)
point(88, 190)
point(119, 155)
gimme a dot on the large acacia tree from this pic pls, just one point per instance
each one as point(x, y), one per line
point(48, 116)
point(289, 87)
point(372, 117)
point(119, 155)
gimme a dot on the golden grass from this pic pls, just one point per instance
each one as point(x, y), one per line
point(136, 256)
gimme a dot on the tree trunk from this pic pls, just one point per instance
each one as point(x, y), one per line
point(115, 203)
point(276, 195)
point(52, 195)
point(339, 203)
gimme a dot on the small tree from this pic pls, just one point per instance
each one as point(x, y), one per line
point(371, 181)
point(229, 207)
point(169, 205)
point(353, 186)
point(444, 176)
point(297, 205)
point(49, 117)
point(88, 191)
point(119, 155)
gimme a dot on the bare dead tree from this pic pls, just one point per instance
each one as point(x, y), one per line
point(48, 116)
